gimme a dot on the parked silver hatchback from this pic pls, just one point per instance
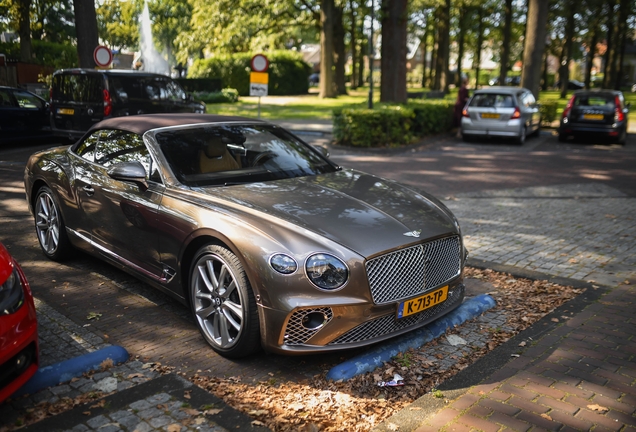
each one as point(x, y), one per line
point(501, 111)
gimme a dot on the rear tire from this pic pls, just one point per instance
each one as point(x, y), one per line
point(50, 227)
point(223, 303)
point(521, 139)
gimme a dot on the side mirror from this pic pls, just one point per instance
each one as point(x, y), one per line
point(129, 171)
point(322, 150)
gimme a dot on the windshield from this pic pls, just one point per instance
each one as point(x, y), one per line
point(237, 154)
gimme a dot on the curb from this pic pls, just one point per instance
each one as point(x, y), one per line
point(65, 371)
point(370, 360)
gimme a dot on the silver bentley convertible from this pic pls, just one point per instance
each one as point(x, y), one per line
point(267, 241)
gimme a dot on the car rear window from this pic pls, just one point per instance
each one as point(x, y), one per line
point(492, 100)
point(145, 88)
point(594, 100)
point(77, 87)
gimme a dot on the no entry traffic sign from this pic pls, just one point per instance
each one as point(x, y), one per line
point(103, 56)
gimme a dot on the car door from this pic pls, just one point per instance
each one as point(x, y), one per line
point(9, 114)
point(33, 110)
point(123, 214)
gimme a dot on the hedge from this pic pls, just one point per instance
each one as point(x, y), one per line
point(391, 125)
point(288, 72)
point(59, 56)
point(227, 95)
point(548, 110)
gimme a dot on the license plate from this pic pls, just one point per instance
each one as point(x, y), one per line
point(489, 115)
point(66, 111)
point(418, 304)
point(593, 116)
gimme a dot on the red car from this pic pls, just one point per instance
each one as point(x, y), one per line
point(18, 327)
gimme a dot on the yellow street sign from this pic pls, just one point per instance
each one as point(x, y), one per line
point(259, 78)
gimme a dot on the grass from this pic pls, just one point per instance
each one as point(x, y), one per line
point(311, 107)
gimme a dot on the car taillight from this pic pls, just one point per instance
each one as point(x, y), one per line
point(108, 104)
point(568, 107)
point(465, 112)
point(516, 114)
point(618, 112)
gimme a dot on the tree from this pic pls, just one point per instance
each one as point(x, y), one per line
point(393, 67)
point(443, 47)
point(118, 23)
point(506, 42)
point(327, 87)
point(339, 50)
point(566, 51)
point(170, 19)
point(24, 30)
point(86, 28)
point(534, 45)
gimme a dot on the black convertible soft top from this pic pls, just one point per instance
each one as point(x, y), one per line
point(140, 124)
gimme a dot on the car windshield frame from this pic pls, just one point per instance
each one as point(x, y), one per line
point(278, 154)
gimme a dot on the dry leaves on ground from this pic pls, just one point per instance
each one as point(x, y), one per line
point(359, 404)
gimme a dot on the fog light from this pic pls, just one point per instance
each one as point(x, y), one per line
point(314, 320)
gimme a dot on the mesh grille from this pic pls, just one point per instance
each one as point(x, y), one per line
point(389, 324)
point(296, 333)
point(408, 272)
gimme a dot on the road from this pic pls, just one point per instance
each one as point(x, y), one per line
point(154, 326)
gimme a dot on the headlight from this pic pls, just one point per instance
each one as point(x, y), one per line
point(326, 271)
point(11, 294)
point(283, 263)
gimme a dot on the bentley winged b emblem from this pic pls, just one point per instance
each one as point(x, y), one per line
point(415, 233)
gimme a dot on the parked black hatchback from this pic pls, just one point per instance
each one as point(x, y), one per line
point(83, 97)
point(595, 112)
point(22, 114)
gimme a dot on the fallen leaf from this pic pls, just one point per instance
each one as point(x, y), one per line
point(106, 364)
point(86, 413)
point(258, 412)
point(547, 417)
point(199, 421)
point(522, 344)
point(174, 427)
point(257, 423)
point(191, 411)
point(392, 427)
point(213, 411)
point(597, 407)
point(415, 408)
point(136, 375)
point(554, 320)
point(186, 394)
point(99, 404)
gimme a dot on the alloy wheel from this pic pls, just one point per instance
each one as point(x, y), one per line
point(47, 223)
point(219, 305)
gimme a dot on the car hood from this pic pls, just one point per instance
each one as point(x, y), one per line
point(364, 213)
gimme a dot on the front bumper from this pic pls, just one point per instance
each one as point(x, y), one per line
point(347, 326)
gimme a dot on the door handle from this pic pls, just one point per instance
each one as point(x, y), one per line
point(89, 190)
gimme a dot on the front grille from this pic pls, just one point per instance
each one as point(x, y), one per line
point(408, 272)
point(389, 324)
point(296, 333)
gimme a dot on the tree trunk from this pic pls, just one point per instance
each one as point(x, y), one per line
point(617, 45)
point(609, 41)
point(327, 87)
point(564, 71)
point(24, 30)
point(86, 29)
point(339, 50)
point(353, 46)
point(505, 48)
point(480, 43)
point(431, 69)
point(460, 45)
point(393, 66)
point(534, 45)
point(424, 42)
point(441, 61)
point(590, 58)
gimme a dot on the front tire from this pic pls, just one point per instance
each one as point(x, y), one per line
point(223, 303)
point(50, 227)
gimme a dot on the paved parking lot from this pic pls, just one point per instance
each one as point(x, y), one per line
point(561, 210)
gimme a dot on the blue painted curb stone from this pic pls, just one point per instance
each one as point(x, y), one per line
point(370, 360)
point(65, 371)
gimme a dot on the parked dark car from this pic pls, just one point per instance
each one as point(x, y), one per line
point(595, 113)
point(267, 240)
point(572, 85)
point(82, 97)
point(510, 81)
point(18, 327)
point(22, 113)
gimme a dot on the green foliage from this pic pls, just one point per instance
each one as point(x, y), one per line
point(287, 72)
point(118, 23)
point(57, 55)
point(548, 110)
point(392, 125)
point(227, 95)
point(386, 126)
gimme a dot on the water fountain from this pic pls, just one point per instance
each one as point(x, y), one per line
point(150, 57)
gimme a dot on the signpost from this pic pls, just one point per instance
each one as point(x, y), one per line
point(103, 56)
point(259, 78)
